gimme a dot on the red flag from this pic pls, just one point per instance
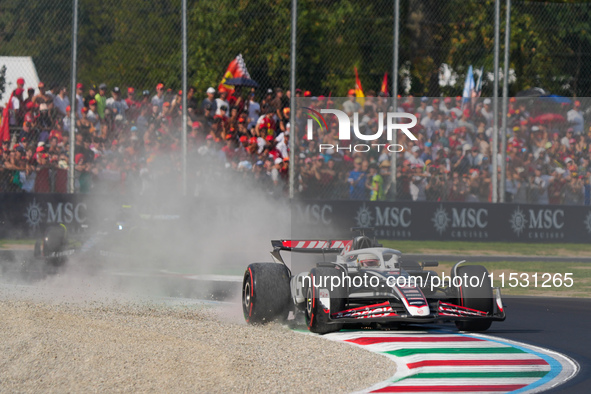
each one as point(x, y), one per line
point(5, 125)
point(236, 69)
point(359, 89)
point(384, 88)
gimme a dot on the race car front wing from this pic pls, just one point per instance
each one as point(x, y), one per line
point(440, 311)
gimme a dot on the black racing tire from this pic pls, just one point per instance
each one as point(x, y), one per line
point(54, 242)
point(37, 251)
point(479, 298)
point(317, 317)
point(266, 294)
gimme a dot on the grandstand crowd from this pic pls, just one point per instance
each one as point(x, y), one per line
point(130, 142)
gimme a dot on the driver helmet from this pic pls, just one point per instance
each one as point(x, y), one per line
point(368, 260)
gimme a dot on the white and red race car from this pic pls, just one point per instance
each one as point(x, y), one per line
point(368, 285)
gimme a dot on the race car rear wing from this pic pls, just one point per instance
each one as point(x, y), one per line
point(311, 246)
point(308, 246)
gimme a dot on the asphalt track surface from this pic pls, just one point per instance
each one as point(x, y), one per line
point(560, 324)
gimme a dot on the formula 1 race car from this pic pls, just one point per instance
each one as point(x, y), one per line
point(126, 235)
point(367, 284)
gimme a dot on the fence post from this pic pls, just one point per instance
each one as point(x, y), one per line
point(505, 101)
point(393, 163)
point(292, 104)
point(495, 145)
point(184, 99)
point(71, 178)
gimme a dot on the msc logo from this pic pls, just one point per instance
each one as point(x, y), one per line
point(534, 220)
point(61, 213)
point(464, 222)
point(384, 217)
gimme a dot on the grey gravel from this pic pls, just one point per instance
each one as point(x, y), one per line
point(126, 345)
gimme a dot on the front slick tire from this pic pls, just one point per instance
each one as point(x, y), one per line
point(54, 242)
point(266, 294)
point(479, 298)
point(317, 313)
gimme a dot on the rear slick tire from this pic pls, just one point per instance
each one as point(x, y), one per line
point(266, 294)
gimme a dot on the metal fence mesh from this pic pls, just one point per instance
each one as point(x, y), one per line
point(137, 45)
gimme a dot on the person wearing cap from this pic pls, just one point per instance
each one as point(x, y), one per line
point(83, 124)
point(176, 103)
point(101, 100)
point(145, 101)
point(351, 105)
point(116, 104)
point(158, 98)
point(283, 144)
point(66, 121)
point(209, 105)
point(445, 106)
point(92, 114)
point(18, 107)
point(30, 116)
point(486, 112)
point(92, 90)
point(422, 106)
point(133, 105)
point(222, 105)
point(575, 118)
point(266, 123)
point(269, 96)
point(466, 122)
point(474, 157)
point(375, 184)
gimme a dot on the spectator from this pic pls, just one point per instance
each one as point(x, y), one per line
point(254, 110)
point(221, 104)
point(351, 105)
point(375, 184)
point(101, 101)
point(158, 98)
point(117, 106)
point(93, 115)
point(79, 99)
point(92, 90)
point(575, 118)
point(84, 125)
point(61, 101)
point(357, 180)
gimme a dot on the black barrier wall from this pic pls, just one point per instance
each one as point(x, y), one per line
point(27, 215)
point(444, 221)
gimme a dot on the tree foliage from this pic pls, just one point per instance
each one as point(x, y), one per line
point(138, 43)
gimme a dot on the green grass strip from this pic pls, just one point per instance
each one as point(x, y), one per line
point(476, 375)
point(467, 350)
